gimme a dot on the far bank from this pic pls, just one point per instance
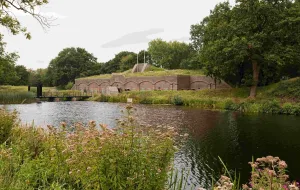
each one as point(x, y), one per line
point(279, 98)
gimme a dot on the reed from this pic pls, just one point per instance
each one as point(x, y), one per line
point(16, 97)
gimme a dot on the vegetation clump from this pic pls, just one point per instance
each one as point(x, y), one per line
point(267, 173)
point(267, 101)
point(16, 97)
point(87, 157)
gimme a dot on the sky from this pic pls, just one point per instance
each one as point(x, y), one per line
point(104, 27)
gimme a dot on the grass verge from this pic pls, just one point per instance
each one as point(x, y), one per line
point(280, 98)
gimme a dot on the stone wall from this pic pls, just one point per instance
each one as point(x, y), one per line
point(178, 82)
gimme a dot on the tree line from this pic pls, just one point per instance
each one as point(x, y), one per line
point(251, 43)
point(72, 63)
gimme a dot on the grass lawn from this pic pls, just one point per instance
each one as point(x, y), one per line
point(152, 71)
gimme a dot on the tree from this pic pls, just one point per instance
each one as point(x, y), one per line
point(260, 33)
point(145, 57)
point(8, 74)
point(121, 62)
point(23, 75)
point(8, 20)
point(71, 63)
point(169, 55)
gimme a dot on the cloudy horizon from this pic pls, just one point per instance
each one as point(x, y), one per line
point(104, 28)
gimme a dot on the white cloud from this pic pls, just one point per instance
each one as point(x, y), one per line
point(133, 38)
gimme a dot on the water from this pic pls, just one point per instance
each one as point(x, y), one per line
point(235, 137)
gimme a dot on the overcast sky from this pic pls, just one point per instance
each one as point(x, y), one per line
point(105, 27)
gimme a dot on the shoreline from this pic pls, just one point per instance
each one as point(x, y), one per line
point(245, 105)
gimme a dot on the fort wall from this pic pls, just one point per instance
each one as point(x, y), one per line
point(148, 83)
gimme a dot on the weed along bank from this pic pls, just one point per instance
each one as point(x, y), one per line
point(136, 82)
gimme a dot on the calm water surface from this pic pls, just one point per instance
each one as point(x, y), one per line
point(235, 137)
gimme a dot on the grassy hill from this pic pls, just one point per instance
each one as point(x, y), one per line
point(152, 71)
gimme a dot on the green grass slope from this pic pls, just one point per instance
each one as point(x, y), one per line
point(152, 71)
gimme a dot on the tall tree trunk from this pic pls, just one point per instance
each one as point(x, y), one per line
point(256, 69)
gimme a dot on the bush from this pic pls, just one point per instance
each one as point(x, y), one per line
point(145, 100)
point(267, 173)
point(69, 86)
point(177, 100)
point(230, 105)
point(271, 107)
point(291, 109)
point(287, 89)
point(85, 157)
point(7, 122)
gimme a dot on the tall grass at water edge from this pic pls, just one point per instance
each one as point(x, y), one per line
point(84, 157)
point(207, 100)
point(16, 97)
point(280, 98)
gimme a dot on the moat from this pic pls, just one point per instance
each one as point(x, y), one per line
point(233, 136)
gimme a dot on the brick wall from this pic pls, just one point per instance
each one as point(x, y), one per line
point(180, 82)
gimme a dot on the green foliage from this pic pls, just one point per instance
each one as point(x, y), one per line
point(177, 100)
point(233, 40)
point(39, 76)
point(121, 62)
point(16, 97)
point(233, 182)
point(10, 74)
point(226, 99)
point(84, 157)
point(69, 86)
point(267, 173)
point(289, 108)
point(71, 63)
point(7, 121)
point(152, 71)
point(9, 21)
point(145, 57)
point(287, 89)
point(169, 55)
point(272, 106)
point(23, 75)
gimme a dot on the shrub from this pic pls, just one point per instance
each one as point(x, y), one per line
point(69, 86)
point(288, 89)
point(291, 109)
point(86, 157)
point(271, 106)
point(177, 100)
point(145, 100)
point(267, 173)
point(103, 98)
point(7, 122)
point(230, 105)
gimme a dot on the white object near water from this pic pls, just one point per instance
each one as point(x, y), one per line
point(129, 100)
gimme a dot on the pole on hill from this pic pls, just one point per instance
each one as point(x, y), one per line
point(137, 62)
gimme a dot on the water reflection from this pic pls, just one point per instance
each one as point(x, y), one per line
point(233, 136)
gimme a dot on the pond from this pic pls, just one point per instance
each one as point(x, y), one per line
point(233, 136)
